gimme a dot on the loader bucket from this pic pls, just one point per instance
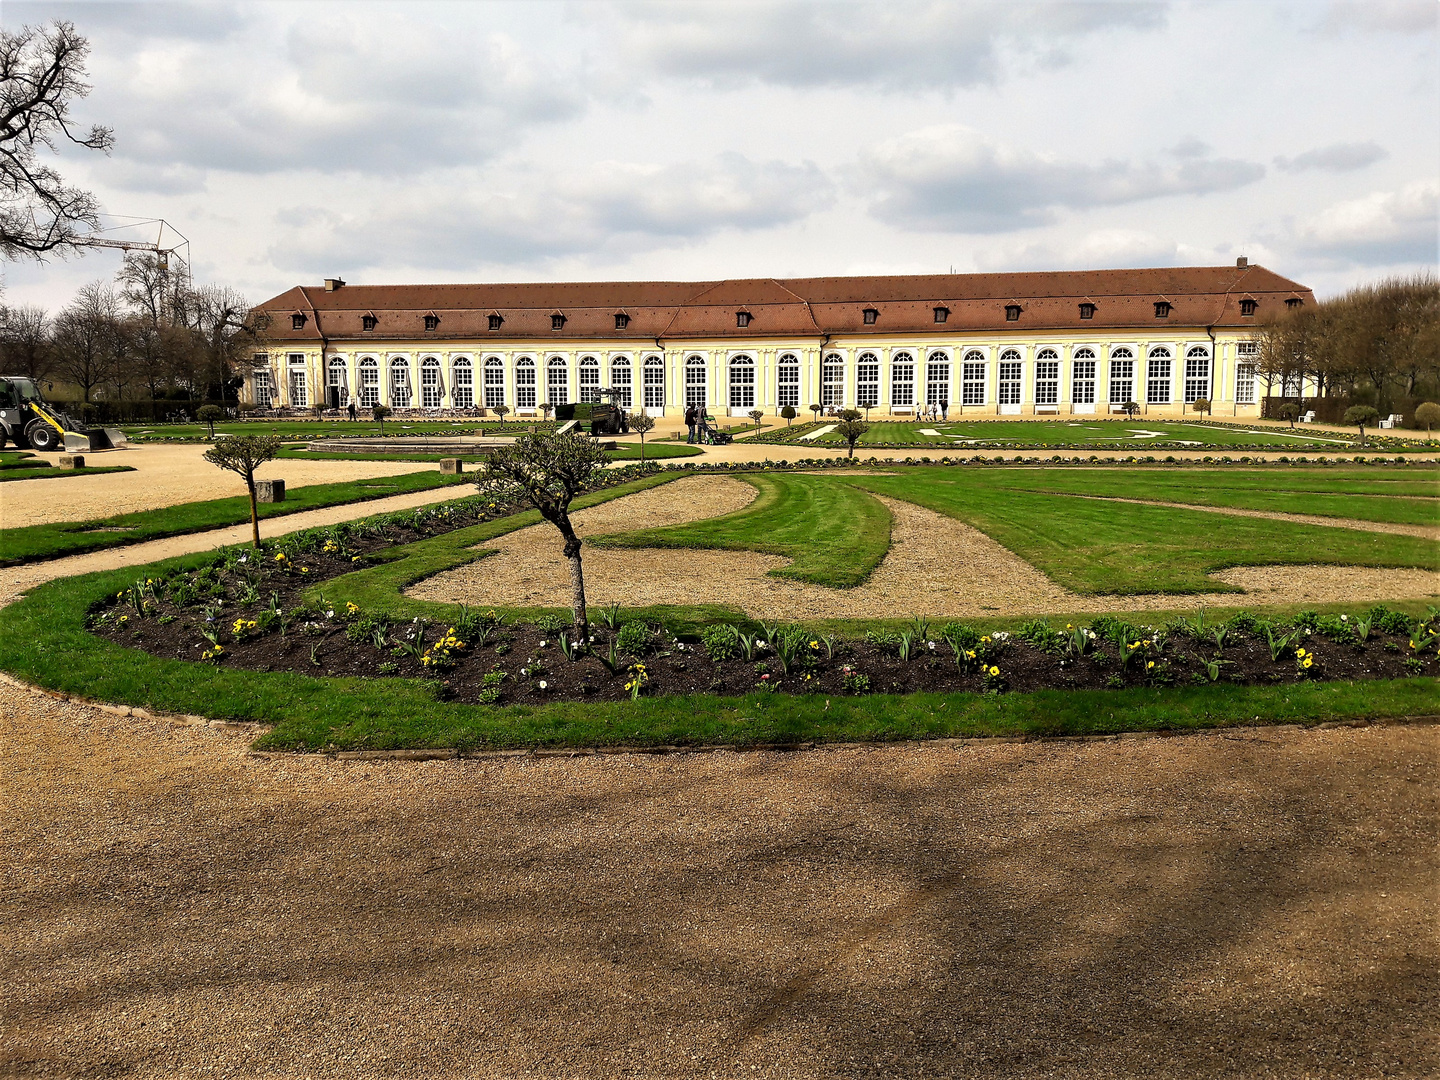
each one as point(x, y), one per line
point(76, 443)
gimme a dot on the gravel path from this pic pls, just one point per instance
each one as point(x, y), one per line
point(1425, 532)
point(918, 575)
point(1257, 903)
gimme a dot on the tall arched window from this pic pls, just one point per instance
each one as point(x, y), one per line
point(1197, 374)
point(494, 382)
point(432, 390)
point(902, 379)
point(589, 380)
point(369, 382)
point(622, 381)
point(264, 388)
point(1008, 390)
point(298, 397)
point(695, 381)
point(654, 383)
point(1082, 377)
point(338, 378)
point(832, 380)
point(742, 382)
point(972, 378)
point(787, 381)
point(1122, 376)
point(525, 383)
point(867, 380)
point(1157, 377)
point(462, 383)
point(1047, 377)
point(937, 379)
point(557, 381)
point(399, 382)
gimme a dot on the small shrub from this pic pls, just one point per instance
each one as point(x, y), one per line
point(550, 624)
point(1394, 622)
point(1039, 634)
point(634, 638)
point(889, 642)
point(854, 682)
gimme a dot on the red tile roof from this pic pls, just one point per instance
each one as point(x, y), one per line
point(788, 308)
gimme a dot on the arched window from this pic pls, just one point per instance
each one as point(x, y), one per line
point(622, 380)
point(867, 380)
point(432, 390)
point(338, 378)
point(902, 379)
point(369, 382)
point(654, 372)
point(399, 382)
point(298, 396)
point(264, 388)
point(1008, 390)
point(1122, 376)
point(589, 380)
point(1047, 377)
point(1082, 377)
point(787, 381)
point(937, 379)
point(525, 383)
point(1197, 374)
point(832, 380)
point(742, 382)
point(557, 381)
point(695, 381)
point(972, 378)
point(462, 383)
point(1157, 376)
point(494, 382)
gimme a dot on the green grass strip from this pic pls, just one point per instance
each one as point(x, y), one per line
point(653, 452)
point(52, 473)
point(34, 543)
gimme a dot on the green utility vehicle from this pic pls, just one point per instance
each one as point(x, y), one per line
point(26, 419)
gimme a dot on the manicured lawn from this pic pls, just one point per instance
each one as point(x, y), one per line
point(653, 452)
point(43, 471)
point(327, 429)
point(33, 543)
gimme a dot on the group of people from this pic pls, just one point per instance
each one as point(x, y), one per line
point(934, 411)
point(697, 423)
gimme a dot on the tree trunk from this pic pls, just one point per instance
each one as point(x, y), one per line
point(577, 580)
point(254, 511)
point(642, 453)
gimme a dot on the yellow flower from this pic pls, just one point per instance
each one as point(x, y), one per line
point(1150, 665)
point(304, 569)
point(994, 671)
point(1300, 652)
point(1308, 661)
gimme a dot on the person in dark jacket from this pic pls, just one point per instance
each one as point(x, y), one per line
point(352, 410)
point(690, 420)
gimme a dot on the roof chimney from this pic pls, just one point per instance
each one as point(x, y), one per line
point(1240, 264)
point(333, 283)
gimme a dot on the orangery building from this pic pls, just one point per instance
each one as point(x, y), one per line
point(1054, 343)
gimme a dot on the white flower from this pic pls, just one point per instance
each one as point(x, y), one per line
point(543, 684)
point(761, 643)
point(931, 644)
point(543, 644)
point(330, 614)
point(1344, 618)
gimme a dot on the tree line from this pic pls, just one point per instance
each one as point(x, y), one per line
point(1377, 343)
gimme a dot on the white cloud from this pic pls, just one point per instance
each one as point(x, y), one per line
point(1102, 247)
point(1380, 16)
point(1383, 228)
point(1335, 158)
point(954, 178)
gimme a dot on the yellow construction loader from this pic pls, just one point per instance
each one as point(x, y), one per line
point(26, 419)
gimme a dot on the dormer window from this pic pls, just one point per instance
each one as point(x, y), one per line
point(1247, 306)
point(1012, 312)
point(1162, 309)
point(297, 321)
point(941, 314)
point(557, 321)
point(432, 322)
point(1294, 302)
point(367, 323)
point(495, 321)
point(742, 319)
point(621, 320)
point(1087, 311)
point(871, 314)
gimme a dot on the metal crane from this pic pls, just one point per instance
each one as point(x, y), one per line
point(175, 243)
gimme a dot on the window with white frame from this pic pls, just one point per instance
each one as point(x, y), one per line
point(622, 382)
point(1197, 374)
point(1010, 375)
point(972, 378)
point(937, 379)
point(525, 388)
point(264, 389)
point(589, 380)
point(902, 379)
point(832, 380)
point(557, 381)
point(867, 380)
point(1157, 377)
point(1082, 377)
point(653, 374)
point(296, 379)
point(462, 383)
point(1047, 377)
point(337, 378)
point(696, 383)
point(400, 382)
point(742, 382)
point(494, 382)
point(369, 382)
point(787, 381)
point(1247, 354)
point(1122, 376)
point(432, 389)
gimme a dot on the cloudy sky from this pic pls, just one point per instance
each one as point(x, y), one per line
point(455, 141)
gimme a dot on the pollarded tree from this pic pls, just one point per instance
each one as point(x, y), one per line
point(244, 454)
point(788, 414)
point(850, 428)
point(1359, 416)
point(1289, 410)
point(207, 415)
point(549, 471)
point(642, 423)
point(757, 415)
point(378, 413)
point(1427, 413)
point(1131, 408)
point(1201, 405)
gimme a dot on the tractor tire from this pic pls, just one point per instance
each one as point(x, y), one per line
point(3, 434)
point(41, 436)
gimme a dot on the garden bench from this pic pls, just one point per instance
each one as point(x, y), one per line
point(1391, 420)
point(1307, 417)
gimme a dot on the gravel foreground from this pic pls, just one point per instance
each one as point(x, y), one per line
point(1253, 903)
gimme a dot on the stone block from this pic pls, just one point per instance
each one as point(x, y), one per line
point(72, 461)
point(452, 466)
point(270, 491)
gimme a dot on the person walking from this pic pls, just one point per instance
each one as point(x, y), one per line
point(352, 411)
point(944, 410)
point(690, 422)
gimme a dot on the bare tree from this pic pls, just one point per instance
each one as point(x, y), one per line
point(42, 71)
point(244, 454)
point(85, 334)
point(25, 347)
point(227, 334)
point(162, 344)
